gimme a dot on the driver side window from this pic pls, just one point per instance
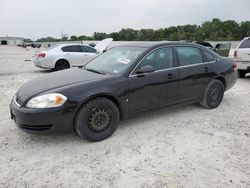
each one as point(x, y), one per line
point(159, 59)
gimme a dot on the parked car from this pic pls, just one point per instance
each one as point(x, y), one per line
point(220, 48)
point(27, 44)
point(35, 45)
point(64, 56)
point(24, 45)
point(242, 56)
point(120, 83)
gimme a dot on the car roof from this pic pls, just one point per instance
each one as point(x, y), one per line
point(153, 45)
point(157, 44)
point(71, 44)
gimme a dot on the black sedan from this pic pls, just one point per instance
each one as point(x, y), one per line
point(120, 83)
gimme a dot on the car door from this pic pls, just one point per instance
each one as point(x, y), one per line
point(73, 53)
point(195, 71)
point(156, 88)
point(88, 54)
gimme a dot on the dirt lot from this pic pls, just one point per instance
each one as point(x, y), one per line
point(185, 146)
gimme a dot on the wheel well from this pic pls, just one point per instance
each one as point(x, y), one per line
point(222, 80)
point(62, 60)
point(113, 99)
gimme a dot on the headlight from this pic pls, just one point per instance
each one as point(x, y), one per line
point(47, 101)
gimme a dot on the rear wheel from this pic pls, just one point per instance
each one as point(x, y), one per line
point(97, 120)
point(241, 73)
point(213, 95)
point(61, 64)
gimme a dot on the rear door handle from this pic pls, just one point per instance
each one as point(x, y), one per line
point(171, 76)
point(206, 69)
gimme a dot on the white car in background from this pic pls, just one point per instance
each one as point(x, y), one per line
point(64, 56)
point(241, 54)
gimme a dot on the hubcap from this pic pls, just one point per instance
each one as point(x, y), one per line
point(99, 120)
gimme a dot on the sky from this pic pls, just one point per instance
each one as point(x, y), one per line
point(41, 18)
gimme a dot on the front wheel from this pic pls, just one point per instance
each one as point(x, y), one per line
point(97, 120)
point(213, 94)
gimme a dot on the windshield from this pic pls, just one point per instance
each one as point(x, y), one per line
point(116, 60)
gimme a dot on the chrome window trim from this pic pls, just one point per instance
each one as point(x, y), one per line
point(136, 75)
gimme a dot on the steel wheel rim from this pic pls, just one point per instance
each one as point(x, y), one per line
point(99, 120)
point(215, 94)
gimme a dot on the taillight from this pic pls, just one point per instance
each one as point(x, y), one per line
point(235, 54)
point(234, 65)
point(41, 55)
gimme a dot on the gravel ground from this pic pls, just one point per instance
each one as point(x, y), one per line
point(184, 146)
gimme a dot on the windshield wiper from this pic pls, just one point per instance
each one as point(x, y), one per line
point(95, 71)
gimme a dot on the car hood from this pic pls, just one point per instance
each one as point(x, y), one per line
point(55, 80)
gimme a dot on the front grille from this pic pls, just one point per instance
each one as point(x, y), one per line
point(36, 128)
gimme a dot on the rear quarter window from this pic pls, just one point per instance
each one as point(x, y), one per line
point(245, 43)
point(208, 57)
point(88, 49)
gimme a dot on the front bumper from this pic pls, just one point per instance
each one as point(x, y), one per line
point(42, 121)
point(243, 65)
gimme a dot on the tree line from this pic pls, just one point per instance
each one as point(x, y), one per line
point(215, 30)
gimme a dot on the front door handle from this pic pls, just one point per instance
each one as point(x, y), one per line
point(171, 76)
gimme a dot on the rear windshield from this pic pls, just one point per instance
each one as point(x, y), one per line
point(245, 43)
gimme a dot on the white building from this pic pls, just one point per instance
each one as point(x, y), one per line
point(13, 41)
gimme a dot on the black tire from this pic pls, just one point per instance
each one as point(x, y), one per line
point(213, 95)
point(97, 119)
point(241, 74)
point(61, 64)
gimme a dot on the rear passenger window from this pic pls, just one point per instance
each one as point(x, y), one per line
point(73, 48)
point(245, 43)
point(88, 49)
point(208, 57)
point(189, 56)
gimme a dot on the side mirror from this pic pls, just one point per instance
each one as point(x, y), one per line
point(145, 69)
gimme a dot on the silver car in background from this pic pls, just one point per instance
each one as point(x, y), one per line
point(64, 56)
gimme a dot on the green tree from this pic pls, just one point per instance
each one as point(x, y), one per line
point(213, 30)
point(244, 29)
point(73, 38)
point(99, 36)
